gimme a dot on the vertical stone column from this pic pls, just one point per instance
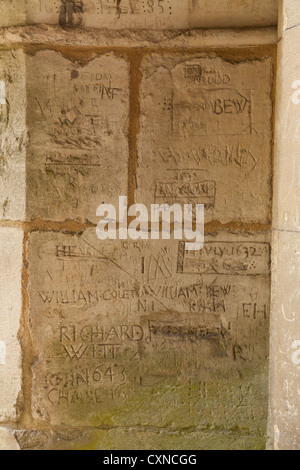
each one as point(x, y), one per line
point(12, 215)
point(285, 332)
point(10, 295)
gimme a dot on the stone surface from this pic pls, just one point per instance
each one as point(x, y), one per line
point(290, 15)
point(241, 13)
point(286, 213)
point(144, 334)
point(205, 136)
point(8, 440)
point(131, 438)
point(12, 13)
point(77, 115)
point(11, 244)
point(152, 14)
point(285, 326)
point(13, 135)
point(143, 345)
point(138, 38)
point(285, 342)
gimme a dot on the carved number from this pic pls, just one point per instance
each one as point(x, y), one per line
point(160, 6)
point(151, 5)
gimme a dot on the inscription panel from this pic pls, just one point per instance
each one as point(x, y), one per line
point(244, 259)
point(78, 120)
point(206, 136)
point(152, 14)
point(116, 14)
point(125, 337)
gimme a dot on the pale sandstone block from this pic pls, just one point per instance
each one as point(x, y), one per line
point(11, 243)
point(286, 213)
point(145, 334)
point(241, 13)
point(290, 14)
point(77, 155)
point(12, 13)
point(149, 14)
point(153, 14)
point(8, 440)
point(138, 38)
point(140, 438)
point(13, 135)
point(285, 327)
point(205, 136)
point(285, 342)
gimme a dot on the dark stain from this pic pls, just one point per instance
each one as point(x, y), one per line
point(119, 8)
point(190, 333)
point(71, 13)
point(74, 74)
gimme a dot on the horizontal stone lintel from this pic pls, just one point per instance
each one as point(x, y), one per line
point(138, 38)
point(136, 14)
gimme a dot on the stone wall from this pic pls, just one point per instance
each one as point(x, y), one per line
point(135, 344)
point(285, 332)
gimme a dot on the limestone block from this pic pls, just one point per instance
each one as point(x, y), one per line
point(8, 440)
point(290, 14)
point(13, 12)
point(124, 438)
point(146, 334)
point(13, 135)
point(77, 114)
point(285, 342)
point(287, 155)
point(188, 39)
point(239, 13)
point(51, 439)
point(11, 243)
point(152, 14)
point(115, 14)
point(206, 136)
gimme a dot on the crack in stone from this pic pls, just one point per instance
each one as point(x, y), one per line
point(292, 27)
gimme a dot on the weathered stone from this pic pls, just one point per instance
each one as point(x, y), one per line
point(8, 440)
point(143, 345)
point(285, 327)
point(140, 438)
point(206, 136)
point(136, 333)
point(139, 38)
point(12, 13)
point(289, 15)
point(286, 213)
point(56, 439)
point(224, 13)
point(11, 243)
point(152, 14)
point(285, 344)
point(13, 136)
point(78, 119)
